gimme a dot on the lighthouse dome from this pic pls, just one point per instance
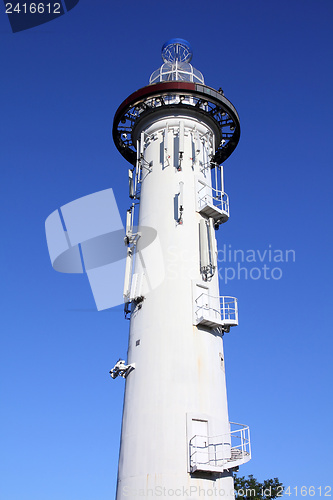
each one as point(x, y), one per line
point(176, 54)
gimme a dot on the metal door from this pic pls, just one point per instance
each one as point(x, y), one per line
point(200, 451)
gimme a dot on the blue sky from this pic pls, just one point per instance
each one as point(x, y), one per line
point(61, 85)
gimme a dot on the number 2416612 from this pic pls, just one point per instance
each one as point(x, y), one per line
point(33, 8)
point(325, 491)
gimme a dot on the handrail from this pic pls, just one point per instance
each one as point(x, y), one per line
point(215, 197)
point(217, 451)
point(228, 307)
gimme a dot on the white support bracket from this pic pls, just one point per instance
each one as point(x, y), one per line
point(131, 240)
point(145, 164)
point(121, 369)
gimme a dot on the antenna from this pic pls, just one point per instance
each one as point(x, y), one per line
point(212, 244)
point(142, 143)
point(129, 225)
point(166, 138)
point(128, 274)
point(197, 142)
point(181, 136)
point(181, 202)
point(181, 194)
point(131, 184)
point(204, 248)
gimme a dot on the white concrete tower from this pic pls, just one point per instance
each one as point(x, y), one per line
point(176, 436)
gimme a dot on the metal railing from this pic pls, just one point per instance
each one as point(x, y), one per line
point(221, 309)
point(221, 452)
point(208, 195)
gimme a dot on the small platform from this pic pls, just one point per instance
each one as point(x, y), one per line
point(213, 322)
point(218, 453)
point(224, 465)
point(216, 311)
point(212, 202)
point(213, 211)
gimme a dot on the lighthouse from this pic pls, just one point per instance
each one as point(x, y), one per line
point(176, 438)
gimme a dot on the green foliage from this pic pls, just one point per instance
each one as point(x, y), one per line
point(250, 489)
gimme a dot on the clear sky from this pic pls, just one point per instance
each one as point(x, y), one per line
point(61, 84)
